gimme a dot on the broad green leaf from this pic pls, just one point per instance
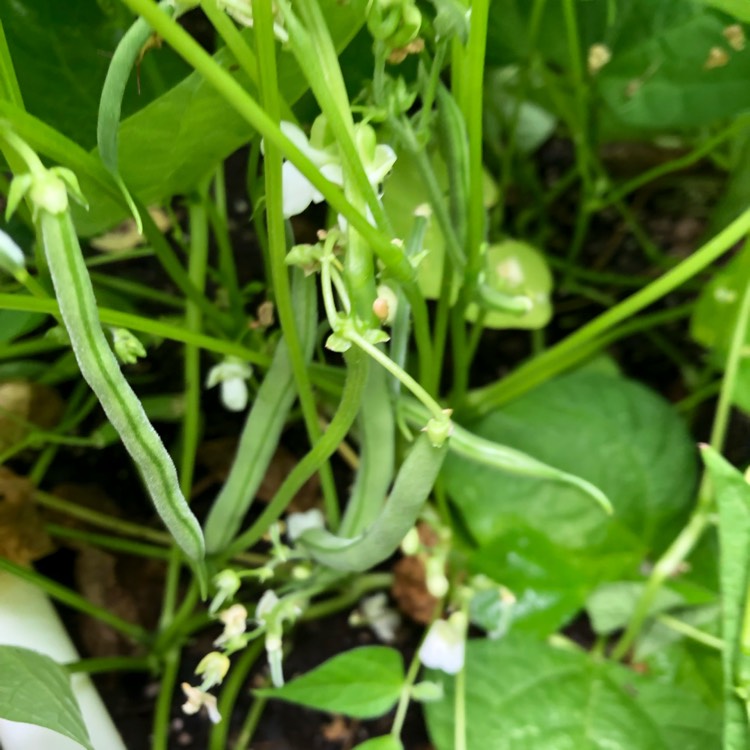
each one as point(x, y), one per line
point(61, 52)
point(522, 694)
point(737, 8)
point(34, 689)
point(666, 79)
point(732, 493)
point(548, 582)
point(363, 683)
point(381, 743)
point(611, 431)
point(688, 665)
point(175, 141)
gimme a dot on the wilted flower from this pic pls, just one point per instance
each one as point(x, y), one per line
point(232, 373)
point(235, 623)
point(599, 56)
point(375, 612)
point(444, 645)
point(197, 699)
point(214, 667)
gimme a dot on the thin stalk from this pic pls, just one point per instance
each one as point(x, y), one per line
point(405, 697)
point(689, 631)
point(544, 366)
point(230, 691)
point(278, 248)
point(105, 541)
point(249, 110)
point(109, 664)
point(71, 599)
point(250, 724)
point(144, 325)
point(163, 709)
point(701, 517)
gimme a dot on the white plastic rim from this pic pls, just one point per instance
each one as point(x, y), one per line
point(28, 619)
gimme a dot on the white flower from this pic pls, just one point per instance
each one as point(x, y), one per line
point(232, 374)
point(12, 258)
point(265, 606)
point(375, 612)
point(298, 523)
point(298, 191)
point(197, 699)
point(445, 644)
point(235, 623)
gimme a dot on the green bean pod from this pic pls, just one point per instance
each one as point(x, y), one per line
point(454, 148)
point(123, 61)
point(376, 456)
point(411, 489)
point(101, 371)
point(264, 424)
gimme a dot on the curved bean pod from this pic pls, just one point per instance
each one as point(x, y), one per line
point(376, 456)
point(101, 371)
point(263, 427)
point(414, 482)
point(123, 60)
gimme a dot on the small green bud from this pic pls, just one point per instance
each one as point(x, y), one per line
point(440, 429)
point(213, 667)
point(427, 691)
point(49, 193)
point(127, 346)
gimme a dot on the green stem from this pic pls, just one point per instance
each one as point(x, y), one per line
point(392, 256)
point(75, 601)
point(689, 631)
point(405, 697)
point(320, 452)
point(700, 520)
point(163, 710)
point(250, 724)
point(277, 249)
point(484, 400)
point(230, 691)
point(109, 664)
point(108, 542)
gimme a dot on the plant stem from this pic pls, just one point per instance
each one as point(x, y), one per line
point(277, 249)
point(691, 632)
point(484, 400)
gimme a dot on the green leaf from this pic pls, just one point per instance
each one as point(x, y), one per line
point(363, 683)
point(34, 689)
point(522, 694)
point(663, 81)
point(381, 743)
point(737, 8)
point(611, 431)
point(733, 499)
point(548, 582)
point(60, 53)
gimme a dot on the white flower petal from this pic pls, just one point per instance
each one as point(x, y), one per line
point(385, 158)
point(298, 191)
point(300, 140)
point(11, 256)
point(443, 648)
point(234, 394)
point(266, 605)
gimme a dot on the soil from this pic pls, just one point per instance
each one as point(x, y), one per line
point(610, 247)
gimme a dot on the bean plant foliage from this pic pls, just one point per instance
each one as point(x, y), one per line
point(394, 238)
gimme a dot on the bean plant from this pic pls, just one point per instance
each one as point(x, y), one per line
point(584, 581)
